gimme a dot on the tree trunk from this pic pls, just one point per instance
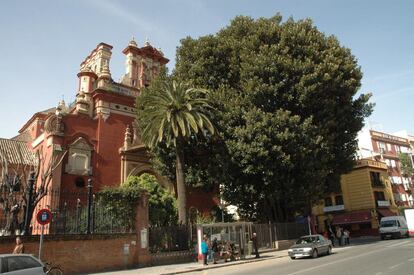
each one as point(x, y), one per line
point(181, 190)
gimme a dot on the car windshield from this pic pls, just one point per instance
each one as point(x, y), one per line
point(388, 223)
point(305, 240)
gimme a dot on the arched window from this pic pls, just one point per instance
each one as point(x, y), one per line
point(328, 201)
point(339, 200)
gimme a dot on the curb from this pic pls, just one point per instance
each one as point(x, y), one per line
point(253, 260)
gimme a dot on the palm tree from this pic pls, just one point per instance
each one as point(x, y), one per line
point(170, 113)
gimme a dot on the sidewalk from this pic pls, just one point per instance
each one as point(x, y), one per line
point(193, 266)
point(190, 267)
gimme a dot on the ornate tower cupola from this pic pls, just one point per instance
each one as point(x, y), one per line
point(97, 62)
point(142, 64)
point(87, 80)
point(131, 64)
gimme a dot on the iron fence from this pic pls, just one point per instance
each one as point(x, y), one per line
point(268, 233)
point(169, 238)
point(72, 215)
point(180, 238)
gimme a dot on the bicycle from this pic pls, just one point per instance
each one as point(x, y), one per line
point(53, 269)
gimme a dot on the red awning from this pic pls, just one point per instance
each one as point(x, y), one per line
point(385, 212)
point(355, 217)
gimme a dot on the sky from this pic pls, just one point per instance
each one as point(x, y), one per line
point(42, 44)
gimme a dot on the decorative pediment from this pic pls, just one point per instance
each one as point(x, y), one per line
point(81, 144)
point(54, 125)
point(79, 160)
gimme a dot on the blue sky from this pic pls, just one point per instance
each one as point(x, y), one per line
point(43, 42)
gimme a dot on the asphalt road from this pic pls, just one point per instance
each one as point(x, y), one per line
point(374, 258)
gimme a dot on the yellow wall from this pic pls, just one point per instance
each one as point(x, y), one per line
point(358, 192)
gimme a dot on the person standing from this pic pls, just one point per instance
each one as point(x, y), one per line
point(346, 235)
point(204, 249)
point(215, 250)
point(256, 250)
point(19, 248)
point(331, 236)
point(339, 236)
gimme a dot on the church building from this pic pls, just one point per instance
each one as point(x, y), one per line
point(99, 131)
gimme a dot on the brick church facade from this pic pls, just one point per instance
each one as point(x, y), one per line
point(99, 131)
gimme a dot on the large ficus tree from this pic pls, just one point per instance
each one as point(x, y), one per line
point(288, 110)
point(170, 114)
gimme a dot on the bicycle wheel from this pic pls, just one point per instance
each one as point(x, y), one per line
point(55, 271)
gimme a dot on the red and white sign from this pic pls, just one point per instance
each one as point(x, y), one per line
point(44, 216)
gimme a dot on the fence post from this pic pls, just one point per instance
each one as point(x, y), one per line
point(270, 232)
point(64, 217)
point(88, 227)
point(93, 213)
point(78, 215)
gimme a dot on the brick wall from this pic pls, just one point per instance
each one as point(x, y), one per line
point(91, 253)
point(83, 253)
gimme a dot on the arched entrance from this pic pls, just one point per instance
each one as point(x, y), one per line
point(135, 162)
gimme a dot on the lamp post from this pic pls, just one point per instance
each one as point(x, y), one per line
point(90, 198)
point(29, 203)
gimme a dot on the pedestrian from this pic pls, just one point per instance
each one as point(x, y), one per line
point(256, 250)
point(215, 250)
point(339, 235)
point(331, 236)
point(346, 234)
point(204, 249)
point(19, 248)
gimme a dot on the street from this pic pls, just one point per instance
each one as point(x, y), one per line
point(376, 258)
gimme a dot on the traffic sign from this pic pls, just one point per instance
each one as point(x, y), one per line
point(44, 216)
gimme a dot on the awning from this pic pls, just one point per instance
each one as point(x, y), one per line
point(355, 217)
point(386, 212)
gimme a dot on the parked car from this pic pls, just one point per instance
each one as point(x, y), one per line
point(20, 264)
point(310, 246)
point(393, 227)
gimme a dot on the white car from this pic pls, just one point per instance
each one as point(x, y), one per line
point(20, 264)
point(393, 227)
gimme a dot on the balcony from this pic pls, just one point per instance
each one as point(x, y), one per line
point(383, 203)
point(334, 208)
point(379, 184)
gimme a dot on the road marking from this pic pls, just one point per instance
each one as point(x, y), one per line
point(398, 244)
point(394, 266)
point(378, 273)
point(335, 262)
point(410, 260)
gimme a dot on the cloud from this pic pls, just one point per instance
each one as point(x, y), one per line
point(114, 9)
point(393, 93)
point(390, 76)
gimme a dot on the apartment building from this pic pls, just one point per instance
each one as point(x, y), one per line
point(387, 147)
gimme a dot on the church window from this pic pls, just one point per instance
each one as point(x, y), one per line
point(79, 182)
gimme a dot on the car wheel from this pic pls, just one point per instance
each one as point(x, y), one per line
point(407, 235)
point(292, 258)
point(329, 252)
point(315, 253)
point(382, 237)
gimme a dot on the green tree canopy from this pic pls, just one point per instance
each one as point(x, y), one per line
point(406, 164)
point(287, 108)
point(162, 204)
